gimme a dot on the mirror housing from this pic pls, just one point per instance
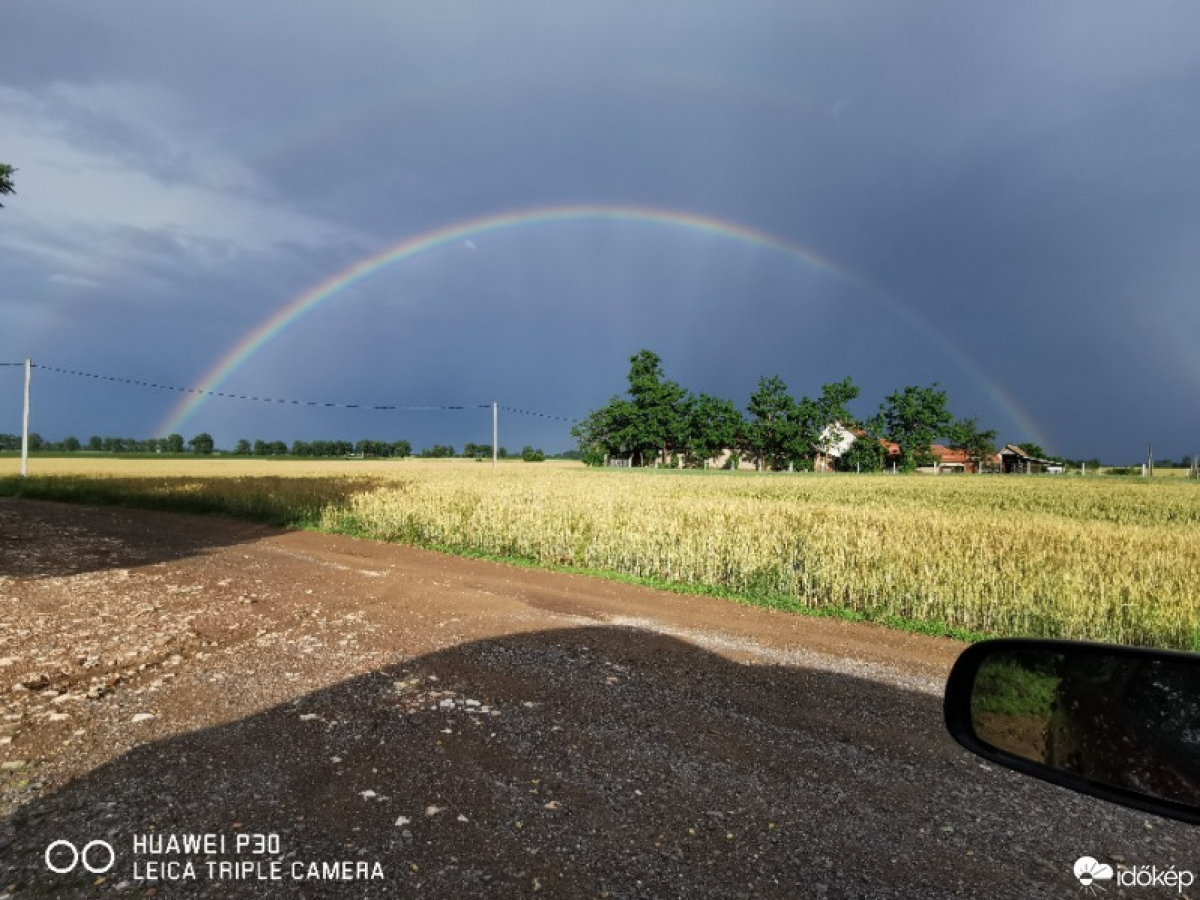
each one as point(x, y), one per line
point(1120, 723)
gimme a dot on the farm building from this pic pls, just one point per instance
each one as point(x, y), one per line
point(1014, 459)
point(956, 462)
point(836, 439)
point(725, 459)
point(947, 460)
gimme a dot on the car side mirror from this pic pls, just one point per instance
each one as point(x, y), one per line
point(1121, 723)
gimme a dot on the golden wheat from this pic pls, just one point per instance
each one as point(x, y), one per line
point(1101, 558)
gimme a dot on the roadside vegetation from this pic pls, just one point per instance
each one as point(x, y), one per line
point(1103, 559)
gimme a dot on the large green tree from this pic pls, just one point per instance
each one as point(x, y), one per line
point(712, 424)
point(650, 424)
point(603, 432)
point(831, 405)
point(202, 444)
point(832, 414)
point(771, 434)
point(6, 183)
point(657, 425)
point(866, 454)
point(913, 418)
point(965, 435)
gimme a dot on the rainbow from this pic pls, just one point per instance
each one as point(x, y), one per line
point(469, 229)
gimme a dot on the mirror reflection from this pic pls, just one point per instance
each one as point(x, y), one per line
point(1127, 722)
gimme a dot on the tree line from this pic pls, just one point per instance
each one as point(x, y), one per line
point(97, 444)
point(659, 422)
point(203, 445)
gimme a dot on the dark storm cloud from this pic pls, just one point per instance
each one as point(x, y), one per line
point(1023, 179)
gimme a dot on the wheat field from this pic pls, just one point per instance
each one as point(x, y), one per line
point(1098, 558)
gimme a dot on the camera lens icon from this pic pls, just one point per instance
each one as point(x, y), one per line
point(96, 856)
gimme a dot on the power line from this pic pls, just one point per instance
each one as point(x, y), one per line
point(280, 400)
point(527, 412)
point(116, 379)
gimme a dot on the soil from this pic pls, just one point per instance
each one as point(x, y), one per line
point(329, 717)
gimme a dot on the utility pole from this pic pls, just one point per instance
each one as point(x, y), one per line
point(25, 423)
point(495, 433)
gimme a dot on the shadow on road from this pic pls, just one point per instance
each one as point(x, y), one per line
point(44, 539)
point(589, 762)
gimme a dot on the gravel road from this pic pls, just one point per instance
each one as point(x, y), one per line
point(238, 711)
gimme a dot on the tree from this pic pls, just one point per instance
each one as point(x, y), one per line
point(529, 454)
point(833, 415)
point(70, 443)
point(978, 445)
point(242, 448)
point(831, 405)
point(712, 424)
point(811, 433)
point(202, 444)
point(656, 422)
point(771, 434)
point(6, 185)
point(650, 424)
point(367, 447)
point(605, 432)
point(174, 443)
point(866, 454)
point(1032, 449)
point(912, 418)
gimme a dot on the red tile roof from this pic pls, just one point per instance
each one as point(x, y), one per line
point(946, 455)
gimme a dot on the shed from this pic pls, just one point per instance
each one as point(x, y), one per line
point(1014, 459)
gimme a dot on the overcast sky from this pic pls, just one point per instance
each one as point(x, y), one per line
point(1001, 198)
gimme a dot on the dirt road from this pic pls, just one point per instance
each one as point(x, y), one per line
point(238, 711)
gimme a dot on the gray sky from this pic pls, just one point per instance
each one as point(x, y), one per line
point(1006, 198)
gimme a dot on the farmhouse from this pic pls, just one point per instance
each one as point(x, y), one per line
point(835, 440)
point(946, 460)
